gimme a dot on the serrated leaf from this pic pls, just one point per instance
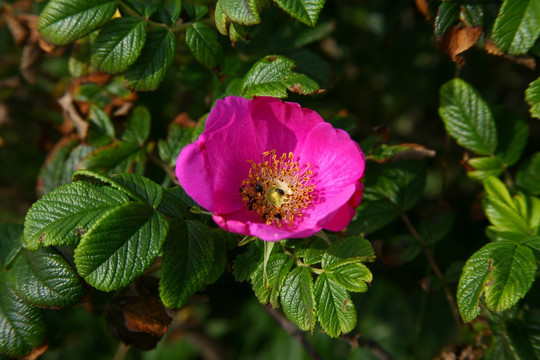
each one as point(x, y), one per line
point(517, 26)
point(188, 257)
point(245, 12)
point(119, 44)
point(528, 176)
point(221, 20)
point(246, 263)
point(10, 243)
point(138, 126)
point(145, 188)
point(21, 324)
point(532, 96)
point(220, 255)
point(64, 21)
point(336, 311)
point(51, 174)
point(503, 270)
point(513, 133)
point(298, 298)
point(100, 129)
point(371, 216)
point(273, 76)
point(45, 278)
point(307, 11)
point(203, 42)
point(301, 84)
point(120, 246)
point(351, 276)
point(176, 203)
point(116, 157)
point(268, 281)
point(178, 138)
point(65, 214)
point(350, 249)
point(156, 57)
point(500, 208)
point(314, 252)
point(447, 15)
point(170, 11)
point(467, 117)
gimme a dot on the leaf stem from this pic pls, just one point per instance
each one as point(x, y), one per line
point(166, 167)
point(435, 268)
point(356, 341)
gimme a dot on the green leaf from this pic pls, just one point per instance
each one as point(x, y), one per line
point(176, 203)
point(267, 286)
point(246, 263)
point(120, 246)
point(532, 96)
point(138, 126)
point(64, 215)
point(437, 225)
point(245, 12)
point(116, 157)
point(101, 129)
point(314, 252)
point(273, 76)
point(472, 15)
point(298, 298)
point(178, 138)
point(119, 44)
point(45, 278)
point(500, 208)
point(195, 12)
point(371, 216)
point(170, 11)
point(513, 133)
point(64, 21)
point(10, 243)
point(349, 249)
point(336, 311)
point(146, 189)
point(156, 57)
point(517, 333)
point(307, 11)
point(528, 176)
point(447, 15)
point(51, 174)
point(188, 257)
point(219, 263)
point(484, 167)
point(351, 276)
point(504, 271)
point(517, 26)
point(203, 42)
point(21, 324)
point(467, 117)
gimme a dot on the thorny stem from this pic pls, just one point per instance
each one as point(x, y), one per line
point(435, 268)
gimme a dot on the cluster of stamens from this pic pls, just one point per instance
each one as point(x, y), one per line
point(278, 188)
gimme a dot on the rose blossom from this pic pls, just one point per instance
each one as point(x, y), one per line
point(271, 169)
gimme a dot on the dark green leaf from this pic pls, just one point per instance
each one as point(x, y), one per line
point(314, 252)
point(169, 13)
point(203, 42)
point(188, 257)
point(120, 246)
point(516, 330)
point(447, 15)
point(101, 129)
point(64, 21)
point(246, 263)
point(52, 173)
point(349, 249)
point(371, 216)
point(472, 15)
point(501, 349)
point(45, 278)
point(156, 57)
point(351, 276)
point(267, 286)
point(336, 311)
point(119, 44)
point(138, 126)
point(307, 11)
point(179, 137)
point(117, 157)
point(10, 243)
point(517, 26)
point(504, 271)
point(21, 324)
point(298, 298)
point(221, 239)
point(65, 214)
point(467, 117)
point(437, 225)
point(145, 188)
point(528, 176)
point(245, 12)
point(176, 203)
point(195, 11)
point(532, 96)
point(513, 133)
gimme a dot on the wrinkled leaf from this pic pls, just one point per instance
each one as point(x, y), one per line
point(528, 176)
point(10, 243)
point(517, 26)
point(336, 311)
point(298, 298)
point(203, 42)
point(307, 11)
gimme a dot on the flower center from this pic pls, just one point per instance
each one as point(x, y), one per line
point(278, 188)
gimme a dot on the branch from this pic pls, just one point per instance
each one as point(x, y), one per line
point(356, 341)
point(294, 332)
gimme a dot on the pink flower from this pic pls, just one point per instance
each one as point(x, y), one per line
point(271, 169)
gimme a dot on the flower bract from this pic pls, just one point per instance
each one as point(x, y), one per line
point(272, 169)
